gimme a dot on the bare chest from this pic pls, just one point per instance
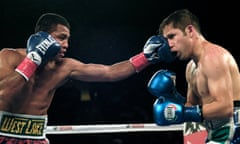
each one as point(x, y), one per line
point(47, 80)
point(198, 83)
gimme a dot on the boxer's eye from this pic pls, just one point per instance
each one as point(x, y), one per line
point(62, 37)
point(170, 36)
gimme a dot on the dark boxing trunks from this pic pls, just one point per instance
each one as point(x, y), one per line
point(11, 140)
point(236, 137)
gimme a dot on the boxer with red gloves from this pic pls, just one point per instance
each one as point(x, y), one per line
point(41, 46)
point(155, 50)
point(30, 76)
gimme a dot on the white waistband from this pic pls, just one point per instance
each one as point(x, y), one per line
point(214, 124)
point(22, 125)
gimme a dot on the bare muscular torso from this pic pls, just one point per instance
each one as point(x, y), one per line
point(205, 84)
point(36, 95)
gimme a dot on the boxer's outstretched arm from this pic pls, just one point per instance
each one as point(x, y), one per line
point(156, 49)
point(99, 72)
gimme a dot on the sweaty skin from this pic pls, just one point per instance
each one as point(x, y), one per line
point(212, 73)
point(34, 97)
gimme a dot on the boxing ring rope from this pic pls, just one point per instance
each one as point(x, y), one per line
point(110, 128)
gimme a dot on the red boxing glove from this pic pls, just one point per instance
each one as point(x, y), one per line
point(27, 67)
point(139, 62)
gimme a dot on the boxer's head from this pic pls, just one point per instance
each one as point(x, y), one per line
point(48, 22)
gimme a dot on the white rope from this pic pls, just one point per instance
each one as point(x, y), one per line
point(110, 128)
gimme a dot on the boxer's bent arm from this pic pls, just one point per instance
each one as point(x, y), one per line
point(220, 89)
point(10, 81)
point(11, 84)
point(99, 72)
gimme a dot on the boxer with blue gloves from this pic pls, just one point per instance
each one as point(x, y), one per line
point(162, 85)
point(169, 107)
point(213, 80)
point(167, 113)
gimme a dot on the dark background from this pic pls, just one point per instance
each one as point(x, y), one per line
point(108, 31)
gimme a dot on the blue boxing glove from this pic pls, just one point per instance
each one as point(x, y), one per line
point(44, 45)
point(41, 47)
point(156, 49)
point(162, 84)
point(167, 113)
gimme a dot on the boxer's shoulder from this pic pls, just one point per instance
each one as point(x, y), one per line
point(11, 55)
point(21, 51)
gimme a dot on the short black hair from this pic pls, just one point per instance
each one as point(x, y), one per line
point(48, 21)
point(180, 19)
